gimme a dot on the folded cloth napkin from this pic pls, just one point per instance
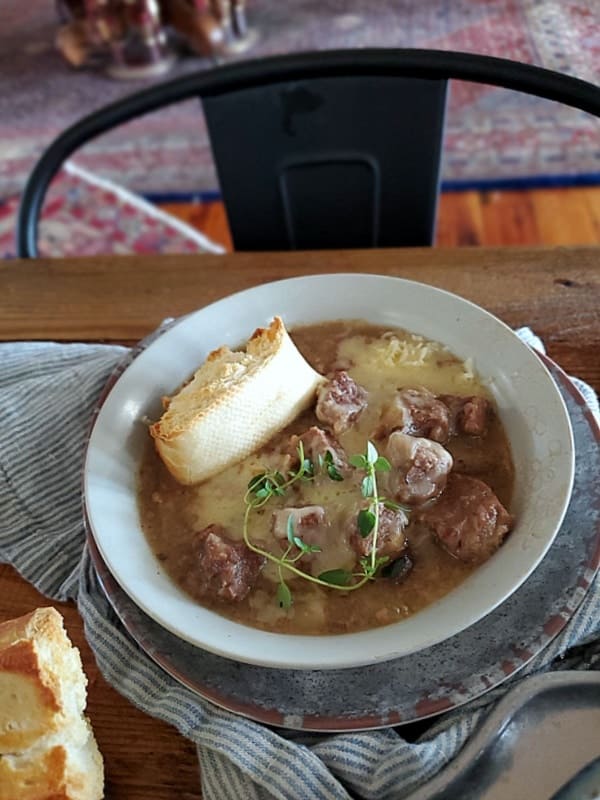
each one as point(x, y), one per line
point(47, 396)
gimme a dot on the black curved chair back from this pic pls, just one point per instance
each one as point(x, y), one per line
point(331, 149)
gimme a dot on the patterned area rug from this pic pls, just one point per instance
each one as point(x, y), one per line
point(86, 216)
point(492, 135)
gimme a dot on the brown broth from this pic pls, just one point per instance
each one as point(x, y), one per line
point(171, 513)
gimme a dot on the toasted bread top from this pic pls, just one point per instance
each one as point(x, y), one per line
point(234, 403)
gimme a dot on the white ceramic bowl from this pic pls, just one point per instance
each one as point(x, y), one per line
point(529, 404)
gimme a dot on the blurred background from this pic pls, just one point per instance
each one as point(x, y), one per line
point(515, 170)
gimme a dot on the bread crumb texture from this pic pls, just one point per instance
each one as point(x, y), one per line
point(47, 746)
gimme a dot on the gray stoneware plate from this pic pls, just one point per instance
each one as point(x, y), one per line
point(541, 742)
point(422, 684)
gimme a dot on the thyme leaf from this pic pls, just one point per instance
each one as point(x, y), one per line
point(371, 455)
point(308, 469)
point(306, 548)
point(382, 464)
point(358, 461)
point(290, 530)
point(331, 468)
point(367, 486)
point(256, 481)
point(393, 506)
point(366, 522)
point(336, 577)
point(284, 595)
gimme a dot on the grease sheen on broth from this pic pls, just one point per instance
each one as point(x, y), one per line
point(381, 360)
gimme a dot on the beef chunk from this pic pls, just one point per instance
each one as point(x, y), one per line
point(317, 442)
point(468, 415)
point(391, 540)
point(468, 520)
point(420, 468)
point(226, 568)
point(475, 415)
point(416, 412)
point(340, 402)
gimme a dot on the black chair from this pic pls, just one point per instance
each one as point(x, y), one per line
point(319, 150)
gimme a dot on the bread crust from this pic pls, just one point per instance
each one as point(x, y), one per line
point(47, 747)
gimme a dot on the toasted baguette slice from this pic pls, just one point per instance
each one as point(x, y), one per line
point(47, 748)
point(234, 404)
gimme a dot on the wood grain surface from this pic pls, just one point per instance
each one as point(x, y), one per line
point(554, 290)
point(548, 216)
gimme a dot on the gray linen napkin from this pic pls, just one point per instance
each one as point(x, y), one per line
point(47, 395)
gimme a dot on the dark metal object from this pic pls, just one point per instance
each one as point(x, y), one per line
point(327, 149)
point(540, 738)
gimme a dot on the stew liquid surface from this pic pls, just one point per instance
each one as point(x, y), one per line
point(381, 360)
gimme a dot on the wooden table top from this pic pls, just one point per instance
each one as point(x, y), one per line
point(556, 291)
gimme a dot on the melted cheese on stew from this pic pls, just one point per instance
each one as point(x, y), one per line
point(381, 360)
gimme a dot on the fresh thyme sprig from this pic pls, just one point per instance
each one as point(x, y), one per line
point(269, 484)
point(368, 518)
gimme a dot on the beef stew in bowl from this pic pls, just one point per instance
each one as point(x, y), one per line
point(523, 399)
point(294, 553)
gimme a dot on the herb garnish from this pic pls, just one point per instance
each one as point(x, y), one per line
point(326, 462)
point(266, 485)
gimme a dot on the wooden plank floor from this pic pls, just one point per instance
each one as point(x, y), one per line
point(496, 218)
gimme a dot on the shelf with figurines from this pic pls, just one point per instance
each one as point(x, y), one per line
point(136, 39)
